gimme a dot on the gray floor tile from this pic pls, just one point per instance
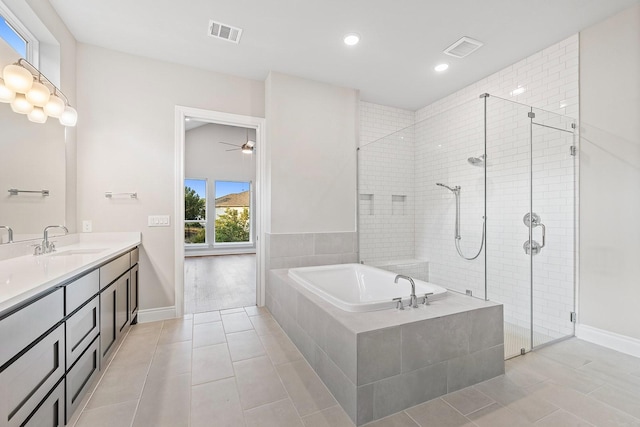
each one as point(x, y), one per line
point(236, 322)
point(120, 414)
point(206, 334)
point(586, 407)
point(216, 403)
point(210, 364)
point(244, 345)
point(253, 310)
point(280, 348)
point(437, 413)
point(496, 415)
point(175, 331)
point(165, 401)
point(307, 391)
point(258, 382)
point(232, 310)
point(277, 414)
point(468, 400)
point(171, 359)
point(618, 398)
point(330, 417)
point(209, 316)
point(397, 420)
point(265, 325)
point(119, 384)
point(562, 419)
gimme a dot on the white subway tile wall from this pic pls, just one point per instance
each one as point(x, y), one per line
point(436, 148)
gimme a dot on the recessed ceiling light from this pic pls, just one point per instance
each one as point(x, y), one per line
point(441, 67)
point(187, 119)
point(351, 39)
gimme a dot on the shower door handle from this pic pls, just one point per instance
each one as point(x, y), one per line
point(532, 220)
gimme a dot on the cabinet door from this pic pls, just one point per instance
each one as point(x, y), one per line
point(122, 303)
point(81, 328)
point(107, 320)
point(133, 301)
point(25, 383)
point(81, 376)
point(50, 412)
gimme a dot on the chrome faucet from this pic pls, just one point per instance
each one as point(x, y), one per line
point(9, 232)
point(413, 303)
point(47, 246)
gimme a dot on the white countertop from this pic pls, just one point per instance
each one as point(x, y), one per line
point(26, 276)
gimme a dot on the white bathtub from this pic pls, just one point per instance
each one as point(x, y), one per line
point(358, 287)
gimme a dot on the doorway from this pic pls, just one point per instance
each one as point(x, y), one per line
point(218, 246)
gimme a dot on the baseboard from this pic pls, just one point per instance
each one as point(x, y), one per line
point(621, 343)
point(155, 314)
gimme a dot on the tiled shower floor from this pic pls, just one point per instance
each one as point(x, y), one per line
point(237, 367)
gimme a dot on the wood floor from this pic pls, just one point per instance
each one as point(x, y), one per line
point(219, 282)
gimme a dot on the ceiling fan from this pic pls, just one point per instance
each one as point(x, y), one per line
point(246, 148)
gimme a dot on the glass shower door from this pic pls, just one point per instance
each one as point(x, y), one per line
point(508, 199)
point(552, 230)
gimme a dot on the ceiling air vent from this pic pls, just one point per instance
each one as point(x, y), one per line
point(224, 31)
point(463, 47)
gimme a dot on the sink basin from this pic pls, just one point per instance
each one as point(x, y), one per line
point(78, 252)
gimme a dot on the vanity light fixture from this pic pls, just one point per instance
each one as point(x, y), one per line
point(351, 39)
point(30, 92)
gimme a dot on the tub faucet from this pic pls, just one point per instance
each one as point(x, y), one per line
point(47, 246)
point(413, 303)
point(9, 232)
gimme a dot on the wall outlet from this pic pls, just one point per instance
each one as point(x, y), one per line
point(86, 226)
point(159, 221)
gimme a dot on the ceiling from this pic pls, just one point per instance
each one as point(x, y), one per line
point(401, 41)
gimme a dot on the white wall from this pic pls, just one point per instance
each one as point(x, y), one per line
point(312, 134)
point(610, 174)
point(126, 132)
point(206, 159)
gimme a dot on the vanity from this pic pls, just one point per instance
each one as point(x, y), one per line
point(62, 316)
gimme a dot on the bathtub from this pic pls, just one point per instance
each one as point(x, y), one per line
point(358, 287)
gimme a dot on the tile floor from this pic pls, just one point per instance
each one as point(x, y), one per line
point(238, 368)
point(219, 282)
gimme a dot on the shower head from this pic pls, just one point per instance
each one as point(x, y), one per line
point(453, 190)
point(476, 161)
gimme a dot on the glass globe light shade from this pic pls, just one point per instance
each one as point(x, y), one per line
point(55, 107)
point(17, 78)
point(37, 115)
point(6, 95)
point(20, 104)
point(38, 95)
point(69, 117)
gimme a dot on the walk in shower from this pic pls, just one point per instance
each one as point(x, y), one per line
point(480, 199)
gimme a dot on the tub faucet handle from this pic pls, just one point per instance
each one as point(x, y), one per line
point(399, 305)
point(426, 298)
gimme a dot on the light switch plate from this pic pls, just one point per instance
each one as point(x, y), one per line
point(159, 221)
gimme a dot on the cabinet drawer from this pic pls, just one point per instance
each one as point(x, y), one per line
point(82, 328)
point(135, 256)
point(81, 376)
point(81, 290)
point(111, 271)
point(25, 382)
point(50, 412)
point(31, 321)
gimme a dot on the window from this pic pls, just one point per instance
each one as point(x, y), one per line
point(16, 35)
point(195, 211)
point(233, 212)
point(12, 37)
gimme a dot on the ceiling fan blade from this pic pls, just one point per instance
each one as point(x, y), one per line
point(233, 149)
point(226, 143)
